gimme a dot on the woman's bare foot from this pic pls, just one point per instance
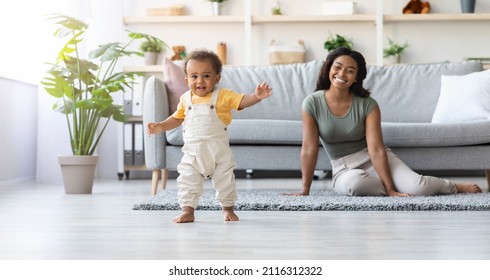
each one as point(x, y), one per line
point(187, 215)
point(229, 215)
point(468, 188)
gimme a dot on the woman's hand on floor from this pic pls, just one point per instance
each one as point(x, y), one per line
point(295, 194)
point(399, 194)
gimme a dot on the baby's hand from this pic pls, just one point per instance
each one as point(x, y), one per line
point(263, 91)
point(151, 128)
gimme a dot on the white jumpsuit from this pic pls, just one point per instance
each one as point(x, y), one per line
point(207, 154)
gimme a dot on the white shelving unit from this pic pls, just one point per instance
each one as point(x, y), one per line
point(378, 20)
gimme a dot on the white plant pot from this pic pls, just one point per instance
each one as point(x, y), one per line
point(78, 173)
point(217, 8)
point(151, 58)
point(391, 60)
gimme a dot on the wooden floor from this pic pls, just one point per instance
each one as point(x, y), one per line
point(39, 221)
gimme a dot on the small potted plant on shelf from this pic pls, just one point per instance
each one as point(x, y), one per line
point(393, 53)
point(217, 7)
point(276, 8)
point(152, 46)
point(83, 89)
point(337, 41)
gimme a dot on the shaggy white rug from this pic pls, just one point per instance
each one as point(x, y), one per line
point(273, 200)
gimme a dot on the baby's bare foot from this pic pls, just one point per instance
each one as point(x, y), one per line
point(468, 188)
point(187, 215)
point(229, 215)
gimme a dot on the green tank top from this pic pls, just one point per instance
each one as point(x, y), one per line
point(340, 135)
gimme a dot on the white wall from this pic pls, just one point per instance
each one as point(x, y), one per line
point(22, 104)
point(18, 130)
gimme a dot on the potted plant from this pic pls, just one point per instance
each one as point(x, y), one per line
point(83, 89)
point(152, 46)
point(394, 51)
point(276, 8)
point(337, 41)
point(217, 6)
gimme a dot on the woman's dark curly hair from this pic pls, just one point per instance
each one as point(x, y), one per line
point(205, 55)
point(357, 88)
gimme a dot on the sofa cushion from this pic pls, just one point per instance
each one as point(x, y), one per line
point(174, 78)
point(435, 135)
point(409, 92)
point(290, 83)
point(260, 132)
point(464, 98)
point(277, 132)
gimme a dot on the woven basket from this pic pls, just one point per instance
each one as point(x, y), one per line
point(177, 10)
point(285, 54)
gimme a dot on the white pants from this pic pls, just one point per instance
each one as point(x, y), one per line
point(207, 154)
point(202, 161)
point(355, 175)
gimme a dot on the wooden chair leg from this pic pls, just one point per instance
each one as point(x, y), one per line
point(154, 181)
point(164, 178)
point(487, 173)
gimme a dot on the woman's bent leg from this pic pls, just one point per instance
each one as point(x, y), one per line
point(408, 181)
point(357, 182)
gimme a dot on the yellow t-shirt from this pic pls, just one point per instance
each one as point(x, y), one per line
point(227, 100)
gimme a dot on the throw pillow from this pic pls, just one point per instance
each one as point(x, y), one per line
point(174, 79)
point(463, 98)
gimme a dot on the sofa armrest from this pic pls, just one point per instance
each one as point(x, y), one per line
point(155, 109)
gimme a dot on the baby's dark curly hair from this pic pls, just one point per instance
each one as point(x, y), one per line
point(204, 55)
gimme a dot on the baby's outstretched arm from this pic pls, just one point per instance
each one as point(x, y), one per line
point(262, 91)
point(168, 124)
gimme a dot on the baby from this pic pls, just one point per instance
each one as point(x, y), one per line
point(205, 111)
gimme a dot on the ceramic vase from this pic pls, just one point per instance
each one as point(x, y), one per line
point(217, 8)
point(151, 58)
point(392, 59)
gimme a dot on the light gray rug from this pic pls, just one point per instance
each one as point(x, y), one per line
point(273, 200)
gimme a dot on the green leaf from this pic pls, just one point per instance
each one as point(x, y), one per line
point(64, 106)
point(337, 41)
point(394, 49)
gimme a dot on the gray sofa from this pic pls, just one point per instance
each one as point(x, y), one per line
point(268, 135)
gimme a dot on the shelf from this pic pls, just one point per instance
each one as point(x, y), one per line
point(183, 19)
point(314, 19)
point(436, 17)
point(240, 19)
point(135, 119)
